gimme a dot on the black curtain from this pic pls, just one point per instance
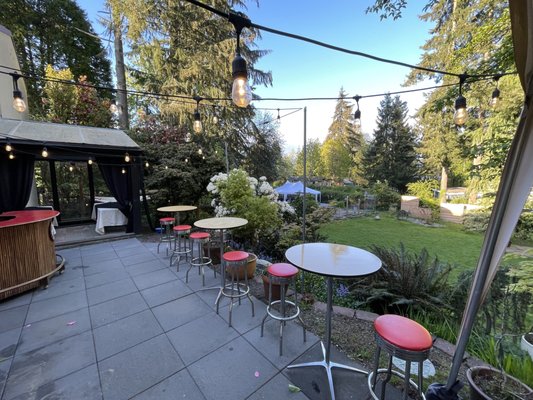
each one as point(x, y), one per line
point(119, 185)
point(16, 178)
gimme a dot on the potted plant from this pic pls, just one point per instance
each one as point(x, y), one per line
point(276, 287)
point(487, 383)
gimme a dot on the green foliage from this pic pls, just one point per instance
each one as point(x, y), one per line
point(386, 196)
point(310, 205)
point(476, 221)
point(315, 166)
point(50, 33)
point(422, 189)
point(391, 154)
point(524, 227)
point(339, 193)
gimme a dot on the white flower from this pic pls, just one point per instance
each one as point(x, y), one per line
point(285, 207)
point(262, 178)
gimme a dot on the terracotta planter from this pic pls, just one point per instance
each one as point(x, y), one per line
point(250, 267)
point(477, 393)
point(526, 343)
point(276, 288)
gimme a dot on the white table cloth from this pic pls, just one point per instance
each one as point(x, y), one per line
point(107, 217)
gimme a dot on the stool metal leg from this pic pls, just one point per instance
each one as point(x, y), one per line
point(387, 379)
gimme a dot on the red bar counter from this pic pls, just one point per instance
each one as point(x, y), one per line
point(27, 251)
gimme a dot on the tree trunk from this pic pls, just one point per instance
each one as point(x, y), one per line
point(121, 78)
point(443, 183)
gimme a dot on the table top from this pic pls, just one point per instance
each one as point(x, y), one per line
point(14, 218)
point(221, 223)
point(335, 260)
point(176, 208)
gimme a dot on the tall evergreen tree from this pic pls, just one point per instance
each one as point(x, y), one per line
point(56, 33)
point(391, 155)
point(314, 163)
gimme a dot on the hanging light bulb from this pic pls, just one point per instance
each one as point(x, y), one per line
point(357, 113)
point(127, 157)
point(203, 157)
point(495, 98)
point(278, 115)
point(11, 156)
point(71, 167)
point(166, 166)
point(18, 102)
point(200, 152)
point(44, 153)
point(90, 161)
point(146, 164)
point(113, 106)
point(215, 118)
point(9, 147)
point(123, 170)
point(461, 113)
point(241, 93)
point(186, 160)
point(197, 124)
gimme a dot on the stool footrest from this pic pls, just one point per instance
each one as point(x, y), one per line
point(275, 314)
point(200, 261)
point(228, 290)
point(394, 372)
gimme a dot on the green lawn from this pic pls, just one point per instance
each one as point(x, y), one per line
point(449, 243)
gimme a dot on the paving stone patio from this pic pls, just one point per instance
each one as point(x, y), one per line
point(120, 324)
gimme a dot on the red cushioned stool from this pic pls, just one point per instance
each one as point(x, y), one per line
point(234, 265)
point(181, 245)
point(282, 274)
point(165, 225)
point(405, 339)
point(199, 239)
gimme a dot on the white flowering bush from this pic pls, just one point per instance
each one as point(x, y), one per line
point(238, 194)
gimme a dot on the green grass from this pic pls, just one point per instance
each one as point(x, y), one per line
point(449, 243)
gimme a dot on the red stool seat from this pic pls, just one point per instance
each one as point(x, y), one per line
point(403, 332)
point(199, 235)
point(166, 219)
point(282, 270)
point(181, 228)
point(234, 256)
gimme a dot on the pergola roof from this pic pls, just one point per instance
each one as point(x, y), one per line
point(62, 135)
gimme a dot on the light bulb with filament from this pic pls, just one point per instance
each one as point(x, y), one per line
point(197, 124)
point(146, 164)
point(200, 151)
point(461, 113)
point(71, 168)
point(215, 118)
point(9, 147)
point(18, 102)
point(278, 115)
point(11, 156)
point(44, 152)
point(127, 158)
point(241, 93)
point(123, 170)
point(495, 97)
point(186, 160)
point(357, 113)
point(166, 166)
point(90, 161)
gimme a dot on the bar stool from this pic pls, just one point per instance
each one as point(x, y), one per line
point(166, 232)
point(404, 339)
point(199, 239)
point(181, 245)
point(283, 274)
point(234, 263)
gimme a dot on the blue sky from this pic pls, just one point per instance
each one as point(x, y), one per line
point(304, 70)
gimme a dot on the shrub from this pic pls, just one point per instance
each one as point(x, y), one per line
point(476, 221)
point(524, 227)
point(385, 196)
point(422, 189)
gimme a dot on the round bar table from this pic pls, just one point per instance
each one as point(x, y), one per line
point(332, 261)
point(220, 224)
point(176, 210)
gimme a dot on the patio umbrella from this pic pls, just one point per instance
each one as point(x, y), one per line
point(515, 185)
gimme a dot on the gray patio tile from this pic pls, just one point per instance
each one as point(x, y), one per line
point(42, 333)
point(293, 344)
point(137, 258)
point(131, 250)
point(242, 319)
point(145, 267)
point(125, 333)
point(91, 258)
point(113, 275)
point(195, 280)
point(48, 364)
point(72, 271)
point(71, 261)
point(55, 306)
point(155, 278)
point(71, 252)
point(165, 292)
point(110, 291)
point(12, 318)
point(16, 301)
point(178, 312)
point(201, 336)
point(96, 248)
point(217, 374)
point(101, 266)
point(8, 344)
point(277, 388)
point(80, 385)
point(134, 370)
point(178, 386)
point(4, 369)
point(58, 288)
point(127, 243)
point(113, 310)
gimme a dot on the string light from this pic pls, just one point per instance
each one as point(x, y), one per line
point(186, 160)
point(495, 98)
point(71, 167)
point(11, 156)
point(9, 147)
point(90, 161)
point(44, 153)
point(127, 157)
point(166, 166)
point(18, 102)
point(357, 113)
point(123, 170)
point(461, 113)
point(146, 164)
point(241, 94)
point(215, 118)
point(197, 124)
point(200, 152)
point(278, 115)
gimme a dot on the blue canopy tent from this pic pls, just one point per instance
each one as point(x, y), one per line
point(296, 188)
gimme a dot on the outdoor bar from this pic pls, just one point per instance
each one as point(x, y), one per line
point(27, 251)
